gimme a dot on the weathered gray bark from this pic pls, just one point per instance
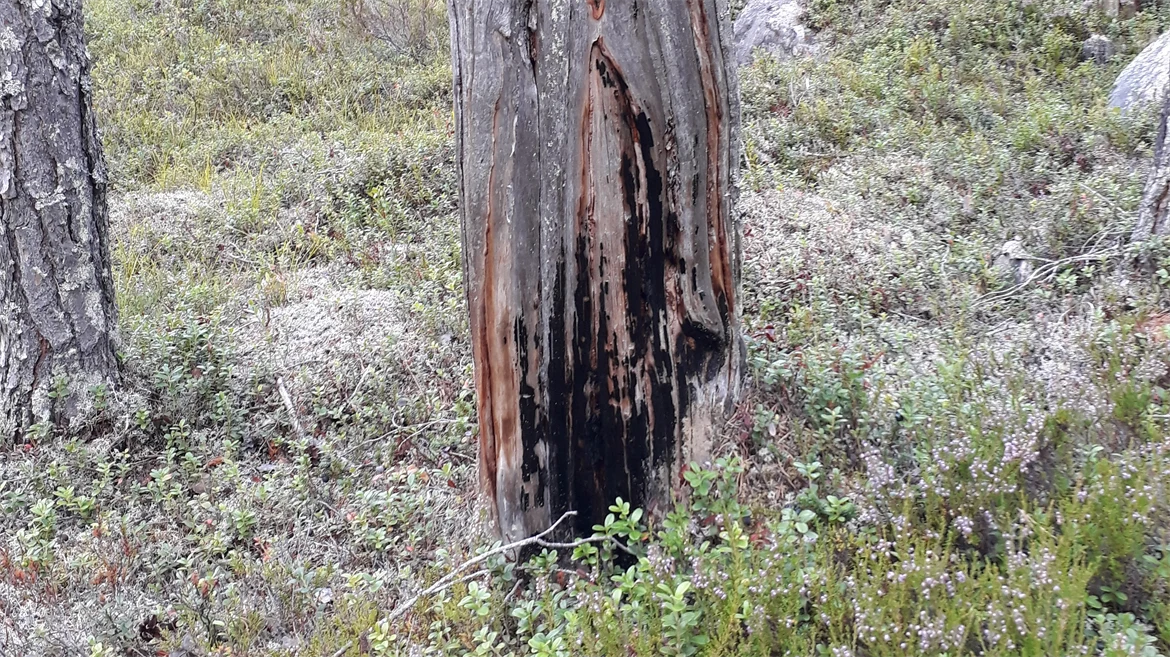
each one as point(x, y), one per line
point(1152, 214)
point(56, 287)
point(598, 144)
point(1120, 8)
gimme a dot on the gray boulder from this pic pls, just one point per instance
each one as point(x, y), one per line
point(1145, 80)
point(1098, 49)
point(773, 26)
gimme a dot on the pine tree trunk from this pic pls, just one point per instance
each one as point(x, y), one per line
point(598, 145)
point(1152, 214)
point(57, 290)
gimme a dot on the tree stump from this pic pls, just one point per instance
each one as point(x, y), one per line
point(1152, 213)
point(598, 146)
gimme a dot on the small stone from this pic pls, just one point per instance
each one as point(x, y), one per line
point(1098, 49)
point(1014, 261)
point(187, 648)
point(1114, 8)
point(324, 596)
point(202, 486)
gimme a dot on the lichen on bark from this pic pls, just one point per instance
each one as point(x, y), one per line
point(57, 334)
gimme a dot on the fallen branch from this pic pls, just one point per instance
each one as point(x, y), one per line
point(1112, 206)
point(413, 430)
point(468, 578)
point(1046, 271)
point(452, 578)
point(449, 579)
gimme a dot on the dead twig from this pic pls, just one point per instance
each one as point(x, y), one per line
point(1046, 271)
point(412, 432)
point(292, 409)
point(358, 388)
point(537, 540)
point(452, 578)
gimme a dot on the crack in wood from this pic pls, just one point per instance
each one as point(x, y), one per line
point(601, 277)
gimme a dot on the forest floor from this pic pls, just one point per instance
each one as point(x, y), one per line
point(942, 451)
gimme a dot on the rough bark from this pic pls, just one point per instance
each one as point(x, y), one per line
point(1152, 214)
point(598, 145)
point(1120, 8)
point(57, 289)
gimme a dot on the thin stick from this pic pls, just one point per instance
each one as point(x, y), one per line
point(462, 580)
point(1046, 271)
point(358, 388)
point(413, 430)
point(537, 540)
point(1113, 206)
point(292, 410)
point(452, 579)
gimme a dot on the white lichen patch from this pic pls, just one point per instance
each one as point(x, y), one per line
point(10, 87)
point(50, 200)
point(8, 40)
point(331, 325)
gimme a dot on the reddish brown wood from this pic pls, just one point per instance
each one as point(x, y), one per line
point(598, 145)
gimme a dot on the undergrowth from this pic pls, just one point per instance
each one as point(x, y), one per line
point(939, 454)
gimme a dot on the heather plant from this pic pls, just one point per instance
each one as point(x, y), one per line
point(712, 579)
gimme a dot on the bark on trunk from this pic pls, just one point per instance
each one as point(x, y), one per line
point(1152, 215)
point(598, 145)
point(56, 288)
point(1120, 8)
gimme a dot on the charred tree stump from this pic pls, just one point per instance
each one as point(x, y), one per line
point(56, 287)
point(598, 143)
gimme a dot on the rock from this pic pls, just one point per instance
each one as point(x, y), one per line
point(1014, 261)
point(1098, 49)
point(202, 486)
point(1145, 80)
point(324, 596)
point(773, 26)
point(187, 648)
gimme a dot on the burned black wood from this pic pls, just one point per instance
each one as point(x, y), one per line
point(598, 143)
